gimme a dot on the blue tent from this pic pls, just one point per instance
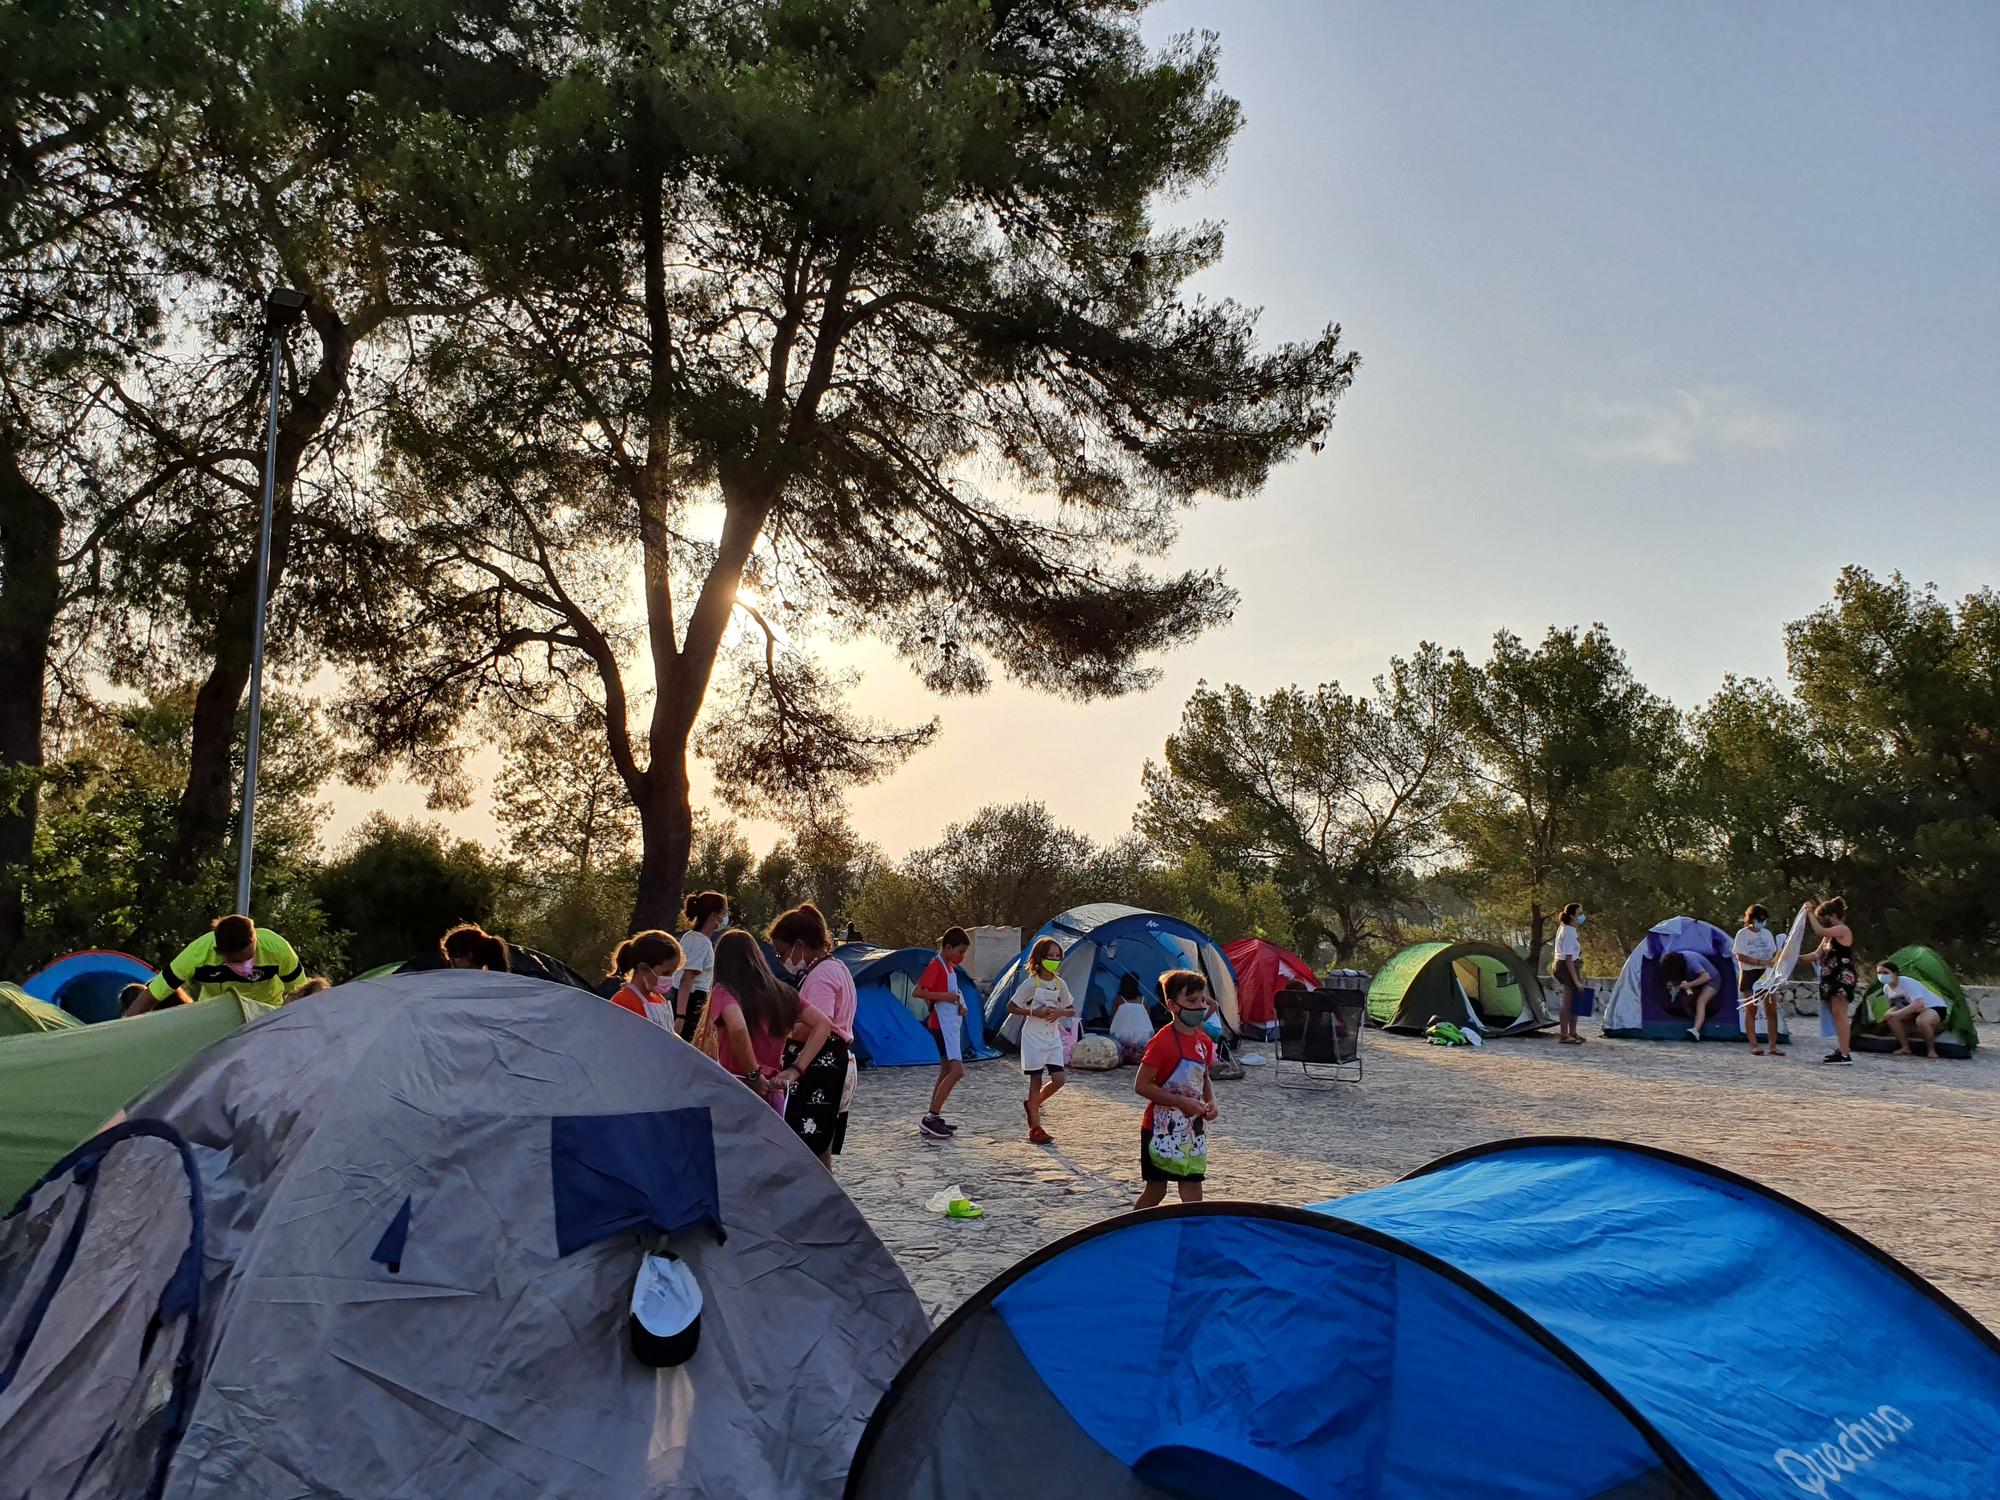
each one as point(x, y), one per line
point(887, 1033)
point(1640, 1004)
point(1552, 1318)
point(1104, 942)
point(87, 984)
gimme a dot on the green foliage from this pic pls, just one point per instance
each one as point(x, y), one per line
point(1333, 799)
point(100, 877)
point(1568, 754)
point(395, 888)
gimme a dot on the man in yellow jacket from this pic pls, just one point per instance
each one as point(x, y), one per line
point(234, 957)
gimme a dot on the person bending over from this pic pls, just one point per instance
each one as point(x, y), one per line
point(234, 957)
point(1696, 981)
point(1916, 1007)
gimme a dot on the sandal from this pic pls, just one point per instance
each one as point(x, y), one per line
point(1570, 1041)
point(1757, 1052)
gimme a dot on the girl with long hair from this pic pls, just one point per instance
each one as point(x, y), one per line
point(470, 946)
point(751, 1015)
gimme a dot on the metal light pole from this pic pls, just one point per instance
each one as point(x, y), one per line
point(282, 311)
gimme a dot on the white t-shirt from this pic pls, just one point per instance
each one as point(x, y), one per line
point(1756, 948)
point(1569, 944)
point(1043, 992)
point(698, 959)
point(1915, 992)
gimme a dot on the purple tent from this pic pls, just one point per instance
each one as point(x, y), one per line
point(1640, 1004)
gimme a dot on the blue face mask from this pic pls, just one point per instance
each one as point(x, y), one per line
point(1581, 919)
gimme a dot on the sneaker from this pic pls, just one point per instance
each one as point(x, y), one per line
point(1040, 1137)
point(1693, 1034)
point(933, 1129)
point(1840, 1059)
point(949, 1128)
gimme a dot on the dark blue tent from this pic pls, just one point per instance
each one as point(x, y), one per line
point(887, 1033)
point(1104, 942)
point(1537, 1318)
point(88, 984)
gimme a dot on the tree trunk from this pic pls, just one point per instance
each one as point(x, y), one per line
point(201, 827)
point(30, 551)
point(1536, 920)
point(666, 839)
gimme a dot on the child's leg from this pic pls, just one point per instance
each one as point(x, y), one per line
point(1057, 1078)
point(1750, 1008)
point(1151, 1194)
point(1191, 1190)
point(1771, 1020)
point(1899, 1027)
point(1927, 1026)
point(951, 1073)
point(1034, 1099)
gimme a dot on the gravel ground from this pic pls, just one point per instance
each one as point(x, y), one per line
point(1904, 1151)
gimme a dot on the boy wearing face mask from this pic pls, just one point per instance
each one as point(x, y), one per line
point(234, 957)
point(1180, 1099)
point(1042, 1001)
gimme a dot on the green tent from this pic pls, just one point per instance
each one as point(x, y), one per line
point(21, 1014)
point(1960, 1033)
point(58, 1088)
point(1463, 983)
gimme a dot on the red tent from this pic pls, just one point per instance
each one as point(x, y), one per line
point(1262, 969)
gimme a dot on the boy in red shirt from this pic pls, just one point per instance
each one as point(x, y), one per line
point(939, 986)
point(1180, 1100)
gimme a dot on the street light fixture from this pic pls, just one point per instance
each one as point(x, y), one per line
point(282, 311)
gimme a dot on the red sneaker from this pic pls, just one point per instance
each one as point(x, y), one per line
point(1040, 1137)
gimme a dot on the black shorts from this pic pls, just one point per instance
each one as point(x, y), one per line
point(814, 1110)
point(697, 1003)
point(1150, 1173)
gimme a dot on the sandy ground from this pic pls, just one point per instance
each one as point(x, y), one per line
point(1905, 1151)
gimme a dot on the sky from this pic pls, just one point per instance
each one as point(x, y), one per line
point(1665, 314)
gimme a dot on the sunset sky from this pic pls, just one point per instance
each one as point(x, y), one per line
point(1665, 314)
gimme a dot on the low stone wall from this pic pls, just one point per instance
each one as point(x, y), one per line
point(1801, 997)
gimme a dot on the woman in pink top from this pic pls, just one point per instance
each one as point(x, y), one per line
point(751, 1015)
point(819, 1067)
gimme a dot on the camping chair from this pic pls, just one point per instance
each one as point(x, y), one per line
point(1319, 1034)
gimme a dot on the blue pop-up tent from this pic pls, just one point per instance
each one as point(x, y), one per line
point(87, 984)
point(1540, 1319)
point(1104, 942)
point(887, 1033)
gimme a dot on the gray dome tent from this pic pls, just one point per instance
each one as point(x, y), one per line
point(1457, 982)
point(383, 1243)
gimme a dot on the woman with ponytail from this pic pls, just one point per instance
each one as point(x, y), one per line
point(470, 946)
point(707, 914)
point(646, 962)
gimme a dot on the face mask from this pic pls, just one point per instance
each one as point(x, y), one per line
point(1051, 965)
point(1581, 919)
point(1193, 1018)
point(245, 970)
point(1759, 926)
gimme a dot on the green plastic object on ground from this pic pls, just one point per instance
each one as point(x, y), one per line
point(21, 1014)
point(1923, 965)
point(58, 1088)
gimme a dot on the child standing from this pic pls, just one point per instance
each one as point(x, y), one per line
point(1042, 1000)
point(646, 961)
point(939, 986)
point(1180, 1100)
